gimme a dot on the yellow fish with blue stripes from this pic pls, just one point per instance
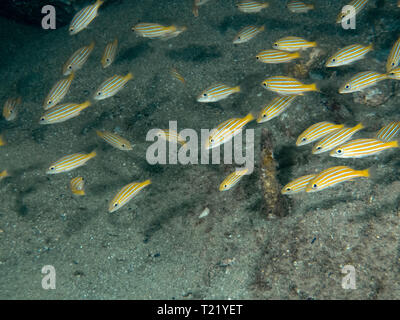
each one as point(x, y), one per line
point(175, 73)
point(109, 54)
point(287, 86)
point(297, 185)
point(335, 139)
point(10, 109)
point(360, 148)
point(394, 56)
point(297, 6)
point(226, 131)
point(78, 59)
point(358, 5)
point(171, 136)
point(232, 179)
point(70, 162)
point(292, 44)
point(126, 194)
point(276, 56)
point(63, 112)
point(247, 33)
point(333, 176)
point(361, 81)
point(217, 92)
point(348, 55)
point(251, 6)
point(77, 186)
point(276, 107)
point(112, 86)
point(317, 131)
point(115, 140)
point(58, 92)
point(388, 132)
point(157, 31)
point(84, 17)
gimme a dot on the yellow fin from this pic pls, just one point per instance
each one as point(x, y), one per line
point(129, 76)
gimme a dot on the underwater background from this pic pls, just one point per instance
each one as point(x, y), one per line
point(156, 246)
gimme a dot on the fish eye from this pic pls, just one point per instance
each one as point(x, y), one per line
point(212, 140)
point(115, 205)
point(71, 29)
point(108, 59)
point(264, 115)
point(288, 189)
point(42, 119)
point(69, 67)
point(339, 151)
point(304, 139)
point(225, 186)
point(52, 168)
point(347, 86)
point(392, 64)
point(265, 84)
point(123, 145)
point(50, 102)
point(333, 60)
point(314, 185)
point(99, 93)
point(318, 148)
point(238, 38)
point(257, 57)
point(275, 44)
point(204, 94)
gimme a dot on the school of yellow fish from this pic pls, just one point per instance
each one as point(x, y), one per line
point(327, 136)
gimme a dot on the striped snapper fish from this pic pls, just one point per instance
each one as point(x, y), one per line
point(317, 131)
point(84, 17)
point(336, 138)
point(226, 131)
point(297, 185)
point(388, 132)
point(333, 176)
point(171, 136)
point(287, 86)
point(276, 56)
point(126, 194)
point(251, 6)
point(70, 162)
point(58, 92)
point(292, 44)
point(3, 141)
point(394, 56)
point(348, 55)
point(115, 140)
point(109, 54)
point(296, 6)
point(10, 108)
point(4, 174)
point(77, 186)
point(394, 74)
point(174, 73)
point(360, 148)
point(78, 59)
point(232, 179)
point(112, 86)
point(362, 81)
point(63, 112)
point(247, 33)
point(157, 31)
point(275, 108)
point(217, 92)
point(358, 6)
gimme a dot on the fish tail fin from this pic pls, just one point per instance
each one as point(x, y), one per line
point(115, 42)
point(91, 45)
point(359, 126)
point(311, 6)
point(79, 192)
point(265, 5)
point(19, 100)
point(313, 44)
point(370, 47)
point(4, 174)
point(313, 87)
point(236, 89)
point(99, 2)
point(172, 28)
point(146, 182)
point(262, 28)
point(295, 55)
point(365, 173)
point(393, 144)
point(129, 76)
point(99, 133)
point(249, 117)
point(92, 154)
point(85, 104)
point(71, 76)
